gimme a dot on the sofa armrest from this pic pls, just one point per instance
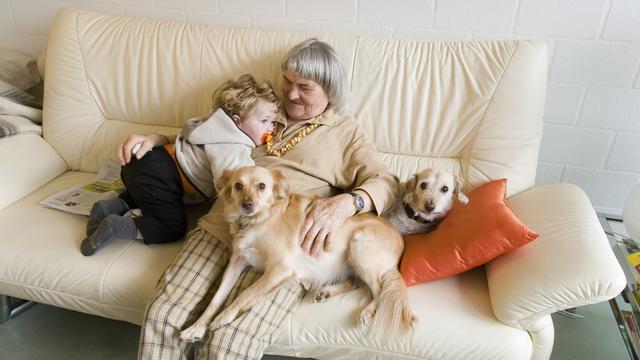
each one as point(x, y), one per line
point(28, 162)
point(570, 264)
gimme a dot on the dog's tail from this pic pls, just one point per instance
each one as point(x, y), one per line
point(393, 316)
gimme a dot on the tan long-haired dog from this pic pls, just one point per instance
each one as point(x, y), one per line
point(266, 221)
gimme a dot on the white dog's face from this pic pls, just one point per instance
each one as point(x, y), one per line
point(249, 190)
point(430, 193)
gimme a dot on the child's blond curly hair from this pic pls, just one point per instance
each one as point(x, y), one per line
point(237, 97)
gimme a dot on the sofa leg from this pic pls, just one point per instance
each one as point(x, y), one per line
point(5, 308)
point(571, 313)
point(6, 312)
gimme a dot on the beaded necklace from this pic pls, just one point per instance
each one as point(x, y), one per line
point(293, 142)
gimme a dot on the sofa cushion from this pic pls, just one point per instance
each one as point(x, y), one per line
point(578, 267)
point(20, 177)
point(43, 261)
point(469, 236)
point(455, 321)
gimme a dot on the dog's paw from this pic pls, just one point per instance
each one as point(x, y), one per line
point(321, 296)
point(225, 317)
point(366, 316)
point(194, 332)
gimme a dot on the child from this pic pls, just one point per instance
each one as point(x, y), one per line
point(242, 114)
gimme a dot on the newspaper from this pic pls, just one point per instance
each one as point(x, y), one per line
point(80, 198)
point(18, 97)
point(20, 113)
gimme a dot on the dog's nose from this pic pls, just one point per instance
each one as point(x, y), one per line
point(247, 205)
point(430, 208)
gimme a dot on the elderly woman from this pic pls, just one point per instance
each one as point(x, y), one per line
point(321, 151)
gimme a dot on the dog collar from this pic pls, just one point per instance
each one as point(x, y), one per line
point(411, 214)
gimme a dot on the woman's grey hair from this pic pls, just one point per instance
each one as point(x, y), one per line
point(318, 61)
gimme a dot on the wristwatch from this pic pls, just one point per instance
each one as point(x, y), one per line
point(358, 201)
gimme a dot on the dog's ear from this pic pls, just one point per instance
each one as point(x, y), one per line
point(280, 184)
point(457, 191)
point(223, 182)
point(410, 185)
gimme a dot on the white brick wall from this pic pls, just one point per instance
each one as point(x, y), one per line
point(611, 108)
point(602, 185)
point(411, 13)
point(549, 174)
point(274, 8)
point(563, 103)
point(322, 10)
point(489, 15)
point(623, 22)
point(551, 17)
point(156, 13)
point(625, 155)
point(205, 5)
point(606, 63)
point(6, 18)
point(34, 17)
point(576, 146)
point(218, 19)
point(594, 62)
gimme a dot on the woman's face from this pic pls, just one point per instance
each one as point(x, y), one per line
point(303, 98)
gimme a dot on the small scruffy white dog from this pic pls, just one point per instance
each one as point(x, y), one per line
point(425, 199)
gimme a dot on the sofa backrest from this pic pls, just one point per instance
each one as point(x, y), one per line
point(472, 107)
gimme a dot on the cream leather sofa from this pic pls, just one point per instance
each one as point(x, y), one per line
point(473, 107)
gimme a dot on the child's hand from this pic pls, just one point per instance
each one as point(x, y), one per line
point(136, 148)
point(143, 143)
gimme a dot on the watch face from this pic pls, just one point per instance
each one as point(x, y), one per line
point(359, 201)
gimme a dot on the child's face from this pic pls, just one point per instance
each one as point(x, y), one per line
point(259, 120)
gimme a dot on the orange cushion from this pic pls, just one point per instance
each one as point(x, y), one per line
point(469, 236)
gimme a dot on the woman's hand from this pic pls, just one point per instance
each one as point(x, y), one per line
point(146, 142)
point(324, 218)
